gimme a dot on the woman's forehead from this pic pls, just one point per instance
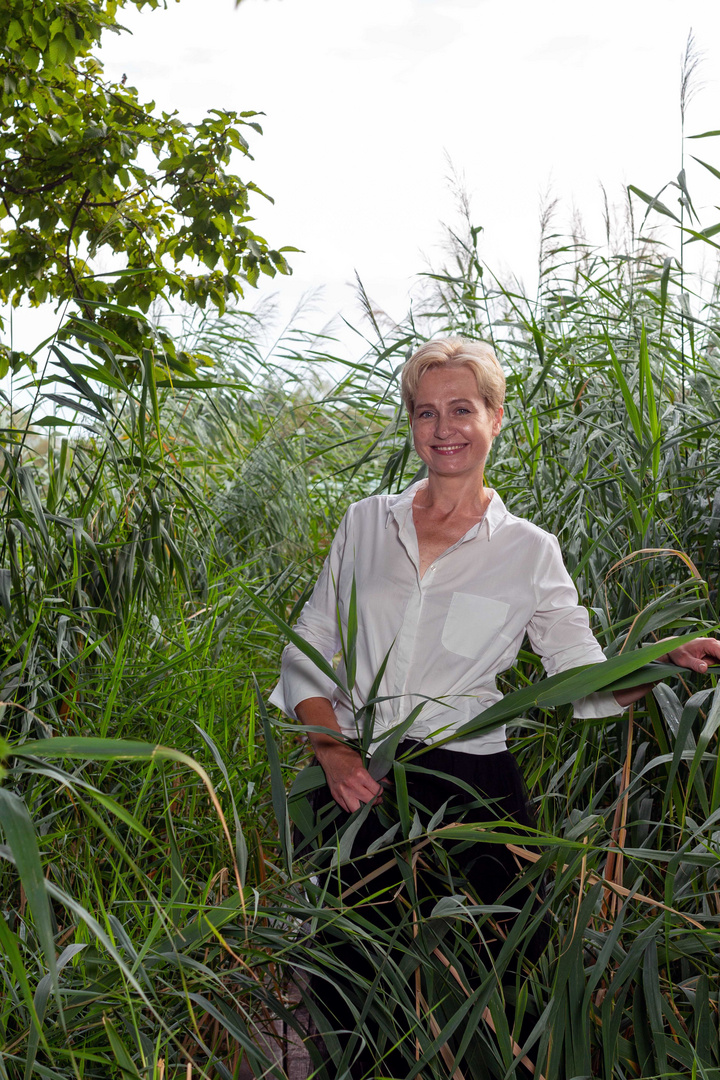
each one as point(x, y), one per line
point(447, 383)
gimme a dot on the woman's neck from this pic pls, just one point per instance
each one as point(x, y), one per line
point(449, 495)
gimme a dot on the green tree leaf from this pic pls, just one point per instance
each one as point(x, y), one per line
point(88, 170)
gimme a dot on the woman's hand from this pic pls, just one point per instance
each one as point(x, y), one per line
point(351, 785)
point(697, 655)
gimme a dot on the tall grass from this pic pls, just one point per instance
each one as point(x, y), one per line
point(126, 627)
point(155, 914)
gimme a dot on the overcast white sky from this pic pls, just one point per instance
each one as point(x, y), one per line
point(366, 101)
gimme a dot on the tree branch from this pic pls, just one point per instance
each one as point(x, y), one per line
point(38, 190)
point(68, 258)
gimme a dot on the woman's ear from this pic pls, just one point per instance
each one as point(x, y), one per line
point(497, 421)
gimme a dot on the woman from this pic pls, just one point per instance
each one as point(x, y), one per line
point(447, 584)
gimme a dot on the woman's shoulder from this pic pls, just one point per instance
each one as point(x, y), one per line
point(379, 506)
point(501, 519)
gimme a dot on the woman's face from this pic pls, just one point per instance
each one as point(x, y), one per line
point(452, 427)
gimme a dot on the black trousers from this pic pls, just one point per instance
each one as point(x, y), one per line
point(473, 789)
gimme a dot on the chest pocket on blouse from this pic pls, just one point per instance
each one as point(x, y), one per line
point(472, 624)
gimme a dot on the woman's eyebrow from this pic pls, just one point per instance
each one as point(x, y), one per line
point(453, 401)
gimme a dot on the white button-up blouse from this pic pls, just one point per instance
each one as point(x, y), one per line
point(446, 635)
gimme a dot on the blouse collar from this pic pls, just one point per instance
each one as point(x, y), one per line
point(399, 506)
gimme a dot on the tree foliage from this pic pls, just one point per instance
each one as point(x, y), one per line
point(86, 170)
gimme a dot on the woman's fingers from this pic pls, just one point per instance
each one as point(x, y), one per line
point(698, 655)
point(352, 785)
point(711, 648)
point(351, 798)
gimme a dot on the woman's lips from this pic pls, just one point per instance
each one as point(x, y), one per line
point(453, 449)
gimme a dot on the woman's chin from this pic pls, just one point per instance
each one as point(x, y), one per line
point(453, 465)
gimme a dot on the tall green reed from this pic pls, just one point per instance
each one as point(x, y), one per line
point(146, 583)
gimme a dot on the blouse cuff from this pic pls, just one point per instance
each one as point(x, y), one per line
point(597, 706)
point(298, 681)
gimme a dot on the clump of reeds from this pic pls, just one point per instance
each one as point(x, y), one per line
point(154, 909)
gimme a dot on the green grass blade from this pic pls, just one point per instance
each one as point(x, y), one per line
point(279, 798)
point(128, 1069)
point(312, 653)
point(241, 851)
point(630, 404)
point(22, 841)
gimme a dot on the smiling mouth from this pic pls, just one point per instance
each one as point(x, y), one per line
point(450, 449)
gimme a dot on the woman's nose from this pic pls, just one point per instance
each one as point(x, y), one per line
point(442, 427)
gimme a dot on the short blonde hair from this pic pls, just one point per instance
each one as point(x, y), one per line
point(456, 352)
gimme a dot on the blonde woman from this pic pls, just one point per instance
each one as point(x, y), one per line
point(448, 583)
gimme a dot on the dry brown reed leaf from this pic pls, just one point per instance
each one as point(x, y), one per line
point(533, 856)
point(581, 886)
point(648, 553)
point(380, 870)
point(418, 980)
point(615, 862)
point(487, 1017)
point(445, 1051)
point(594, 879)
point(221, 880)
point(615, 867)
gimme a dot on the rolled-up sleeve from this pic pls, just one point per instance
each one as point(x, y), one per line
point(300, 678)
point(560, 633)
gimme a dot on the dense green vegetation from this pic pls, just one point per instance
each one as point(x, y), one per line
point(161, 526)
point(153, 910)
point(107, 205)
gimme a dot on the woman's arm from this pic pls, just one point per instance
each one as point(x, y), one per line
point(304, 691)
point(300, 678)
point(697, 655)
point(350, 783)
